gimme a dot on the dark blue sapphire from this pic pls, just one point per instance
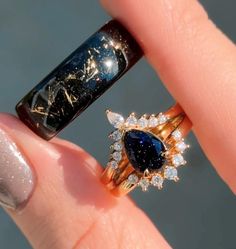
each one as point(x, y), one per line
point(144, 150)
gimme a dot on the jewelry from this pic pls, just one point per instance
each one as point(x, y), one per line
point(79, 80)
point(146, 150)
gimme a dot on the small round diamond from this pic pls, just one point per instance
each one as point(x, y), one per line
point(178, 160)
point(176, 134)
point(113, 164)
point(115, 119)
point(153, 121)
point(116, 135)
point(171, 173)
point(117, 156)
point(157, 181)
point(181, 146)
point(144, 184)
point(131, 120)
point(161, 118)
point(143, 122)
point(132, 179)
point(117, 146)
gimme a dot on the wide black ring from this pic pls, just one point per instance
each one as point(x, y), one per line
point(79, 80)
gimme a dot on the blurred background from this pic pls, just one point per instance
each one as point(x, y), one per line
point(199, 211)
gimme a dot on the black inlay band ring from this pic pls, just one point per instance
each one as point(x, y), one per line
point(79, 80)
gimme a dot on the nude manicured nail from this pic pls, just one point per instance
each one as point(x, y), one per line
point(16, 176)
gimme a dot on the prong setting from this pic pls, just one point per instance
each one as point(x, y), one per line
point(115, 119)
point(173, 153)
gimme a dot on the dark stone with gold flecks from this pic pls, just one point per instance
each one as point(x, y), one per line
point(79, 80)
point(144, 150)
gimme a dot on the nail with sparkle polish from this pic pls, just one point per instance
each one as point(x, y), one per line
point(16, 176)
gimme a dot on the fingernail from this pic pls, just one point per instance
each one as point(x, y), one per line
point(16, 176)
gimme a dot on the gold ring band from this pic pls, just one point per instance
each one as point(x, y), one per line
point(146, 150)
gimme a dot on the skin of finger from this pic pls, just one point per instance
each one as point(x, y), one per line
point(198, 65)
point(70, 208)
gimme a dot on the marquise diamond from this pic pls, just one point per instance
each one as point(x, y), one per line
point(115, 119)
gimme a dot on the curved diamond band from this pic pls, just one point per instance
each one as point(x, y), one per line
point(146, 150)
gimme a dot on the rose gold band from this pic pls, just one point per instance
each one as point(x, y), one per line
point(119, 180)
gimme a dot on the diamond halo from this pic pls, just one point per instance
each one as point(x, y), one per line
point(146, 123)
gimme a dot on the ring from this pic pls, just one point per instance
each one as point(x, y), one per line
point(146, 150)
point(79, 80)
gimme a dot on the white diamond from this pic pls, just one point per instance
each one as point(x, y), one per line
point(153, 121)
point(142, 122)
point(178, 160)
point(132, 179)
point(161, 118)
point(181, 146)
point(113, 164)
point(115, 119)
point(116, 135)
point(144, 184)
point(157, 181)
point(131, 120)
point(171, 173)
point(117, 156)
point(117, 146)
point(177, 135)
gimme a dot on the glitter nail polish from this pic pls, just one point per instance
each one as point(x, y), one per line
point(16, 175)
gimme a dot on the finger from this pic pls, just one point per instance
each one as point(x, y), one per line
point(60, 201)
point(198, 65)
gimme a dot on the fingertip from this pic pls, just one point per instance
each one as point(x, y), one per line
point(17, 174)
point(71, 197)
point(197, 63)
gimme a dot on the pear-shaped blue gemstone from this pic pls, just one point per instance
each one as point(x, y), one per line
point(144, 150)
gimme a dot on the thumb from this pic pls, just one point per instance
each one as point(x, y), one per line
point(56, 197)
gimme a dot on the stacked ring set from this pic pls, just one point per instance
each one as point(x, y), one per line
point(146, 150)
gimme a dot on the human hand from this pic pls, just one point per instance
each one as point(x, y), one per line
point(197, 63)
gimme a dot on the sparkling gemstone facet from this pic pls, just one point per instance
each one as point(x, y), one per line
point(171, 173)
point(181, 146)
point(177, 135)
point(115, 119)
point(153, 121)
point(157, 181)
point(161, 118)
point(144, 150)
point(113, 164)
point(143, 122)
point(131, 120)
point(116, 135)
point(144, 184)
point(132, 179)
point(117, 146)
point(178, 160)
point(117, 156)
